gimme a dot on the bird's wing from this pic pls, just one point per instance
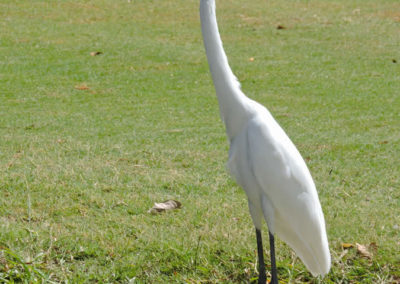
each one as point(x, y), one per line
point(285, 181)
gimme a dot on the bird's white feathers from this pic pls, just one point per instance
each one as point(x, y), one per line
point(265, 162)
point(279, 187)
point(232, 102)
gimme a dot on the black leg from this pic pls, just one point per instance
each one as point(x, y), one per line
point(262, 277)
point(274, 279)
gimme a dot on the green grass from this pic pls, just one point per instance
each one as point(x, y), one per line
point(80, 168)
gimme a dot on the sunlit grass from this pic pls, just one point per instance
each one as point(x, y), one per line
point(80, 168)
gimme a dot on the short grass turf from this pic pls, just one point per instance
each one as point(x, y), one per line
point(89, 143)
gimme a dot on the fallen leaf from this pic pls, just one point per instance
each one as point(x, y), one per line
point(384, 142)
point(95, 53)
point(280, 27)
point(347, 245)
point(82, 87)
point(251, 59)
point(363, 251)
point(166, 205)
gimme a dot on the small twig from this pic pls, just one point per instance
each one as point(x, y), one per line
point(195, 254)
point(51, 242)
point(28, 200)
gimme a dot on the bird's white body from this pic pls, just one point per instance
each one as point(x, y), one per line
point(265, 162)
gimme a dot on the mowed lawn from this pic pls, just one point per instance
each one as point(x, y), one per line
point(107, 106)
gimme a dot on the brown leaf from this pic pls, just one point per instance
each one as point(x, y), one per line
point(82, 87)
point(347, 245)
point(95, 53)
point(363, 251)
point(164, 206)
point(280, 27)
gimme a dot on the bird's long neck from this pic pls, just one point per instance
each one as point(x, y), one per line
point(232, 102)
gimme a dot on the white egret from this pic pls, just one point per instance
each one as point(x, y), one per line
point(266, 164)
